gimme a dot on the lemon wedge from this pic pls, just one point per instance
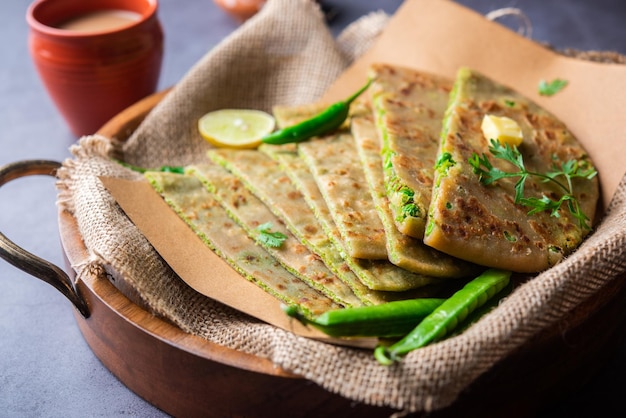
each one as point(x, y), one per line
point(236, 128)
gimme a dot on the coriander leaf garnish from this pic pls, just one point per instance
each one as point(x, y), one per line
point(550, 88)
point(269, 237)
point(163, 168)
point(172, 169)
point(568, 170)
point(444, 163)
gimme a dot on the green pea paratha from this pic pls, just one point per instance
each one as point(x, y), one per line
point(250, 213)
point(190, 199)
point(334, 164)
point(408, 106)
point(357, 272)
point(404, 251)
point(482, 223)
point(264, 177)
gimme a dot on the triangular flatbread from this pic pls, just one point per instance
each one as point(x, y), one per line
point(190, 199)
point(357, 272)
point(250, 213)
point(334, 163)
point(264, 177)
point(408, 109)
point(404, 251)
point(482, 223)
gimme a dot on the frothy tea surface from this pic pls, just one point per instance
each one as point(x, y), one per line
point(100, 21)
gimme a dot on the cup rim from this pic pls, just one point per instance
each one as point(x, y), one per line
point(37, 6)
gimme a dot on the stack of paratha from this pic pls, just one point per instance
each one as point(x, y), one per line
point(366, 218)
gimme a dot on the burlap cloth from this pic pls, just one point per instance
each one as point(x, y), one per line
point(287, 55)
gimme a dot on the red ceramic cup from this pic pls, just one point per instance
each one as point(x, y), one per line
point(92, 74)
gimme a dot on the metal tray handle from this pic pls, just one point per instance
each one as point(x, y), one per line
point(23, 259)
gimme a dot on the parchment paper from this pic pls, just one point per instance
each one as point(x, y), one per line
point(441, 36)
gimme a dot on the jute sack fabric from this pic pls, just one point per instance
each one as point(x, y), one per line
point(286, 55)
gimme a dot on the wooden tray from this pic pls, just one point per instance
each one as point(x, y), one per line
point(188, 376)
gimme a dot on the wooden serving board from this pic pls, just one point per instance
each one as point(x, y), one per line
point(188, 376)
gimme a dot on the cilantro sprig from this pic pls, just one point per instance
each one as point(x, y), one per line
point(163, 168)
point(550, 88)
point(270, 238)
point(560, 174)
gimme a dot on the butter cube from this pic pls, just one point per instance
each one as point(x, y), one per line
point(504, 130)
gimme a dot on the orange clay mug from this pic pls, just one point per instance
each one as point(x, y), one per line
point(95, 57)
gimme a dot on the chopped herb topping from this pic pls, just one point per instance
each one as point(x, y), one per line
point(568, 170)
point(550, 88)
point(554, 249)
point(509, 236)
point(270, 238)
point(163, 168)
point(444, 163)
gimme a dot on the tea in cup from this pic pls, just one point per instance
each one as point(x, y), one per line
point(95, 57)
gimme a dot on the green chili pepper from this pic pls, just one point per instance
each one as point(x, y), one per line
point(481, 311)
point(326, 121)
point(447, 315)
point(163, 168)
point(392, 319)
